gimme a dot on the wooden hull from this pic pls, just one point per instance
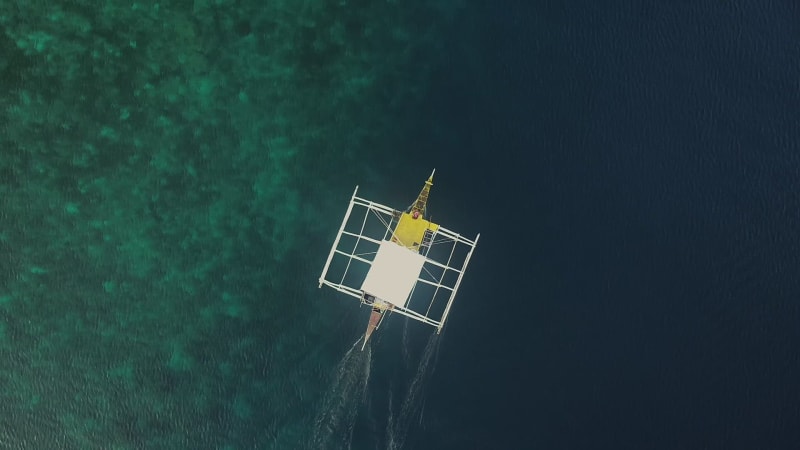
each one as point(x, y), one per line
point(374, 321)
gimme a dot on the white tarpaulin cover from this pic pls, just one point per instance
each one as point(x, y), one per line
point(394, 271)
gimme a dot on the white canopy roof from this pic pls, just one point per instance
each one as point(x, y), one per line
point(394, 271)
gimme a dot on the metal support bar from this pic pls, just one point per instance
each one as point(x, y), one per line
point(415, 315)
point(352, 256)
point(438, 285)
point(458, 283)
point(338, 236)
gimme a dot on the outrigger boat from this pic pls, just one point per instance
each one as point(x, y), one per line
point(412, 262)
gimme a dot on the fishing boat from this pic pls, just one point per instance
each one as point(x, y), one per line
point(397, 261)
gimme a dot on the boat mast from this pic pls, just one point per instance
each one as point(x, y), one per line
point(422, 198)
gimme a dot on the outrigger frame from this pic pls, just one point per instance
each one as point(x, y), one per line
point(389, 216)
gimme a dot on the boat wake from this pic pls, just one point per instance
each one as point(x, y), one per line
point(412, 408)
point(336, 417)
point(349, 414)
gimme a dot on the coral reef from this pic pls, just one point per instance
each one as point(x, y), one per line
point(166, 176)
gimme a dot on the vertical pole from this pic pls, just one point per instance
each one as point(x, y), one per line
point(458, 283)
point(338, 237)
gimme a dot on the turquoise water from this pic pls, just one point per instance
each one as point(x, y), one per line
point(172, 177)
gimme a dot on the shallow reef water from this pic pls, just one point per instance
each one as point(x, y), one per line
point(170, 177)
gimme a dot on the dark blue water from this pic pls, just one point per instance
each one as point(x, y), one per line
point(634, 171)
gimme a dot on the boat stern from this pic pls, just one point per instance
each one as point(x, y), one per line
point(375, 318)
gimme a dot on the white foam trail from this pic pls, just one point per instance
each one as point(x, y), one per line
point(390, 421)
point(397, 428)
point(348, 392)
point(336, 417)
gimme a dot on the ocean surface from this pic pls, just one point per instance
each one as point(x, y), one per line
point(172, 177)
